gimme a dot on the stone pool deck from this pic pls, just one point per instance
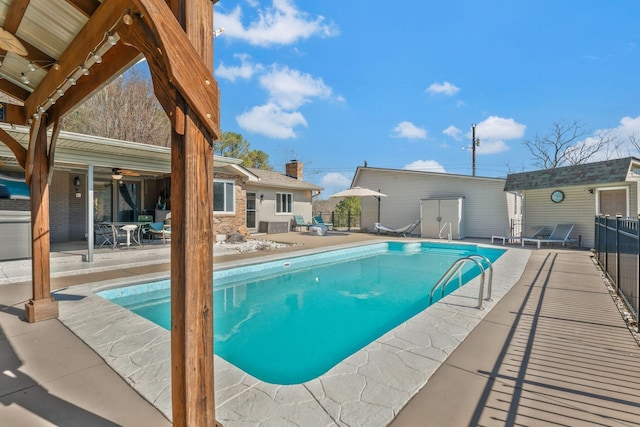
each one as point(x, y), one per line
point(545, 352)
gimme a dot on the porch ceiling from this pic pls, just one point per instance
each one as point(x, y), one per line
point(47, 49)
point(76, 151)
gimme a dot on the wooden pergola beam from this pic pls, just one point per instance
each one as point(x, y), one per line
point(178, 59)
point(42, 305)
point(87, 7)
point(104, 21)
point(18, 150)
point(14, 15)
point(117, 60)
point(14, 91)
point(51, 154)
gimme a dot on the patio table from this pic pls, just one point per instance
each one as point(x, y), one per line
point(130, 228)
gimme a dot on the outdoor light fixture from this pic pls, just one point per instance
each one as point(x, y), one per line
point(76, 183)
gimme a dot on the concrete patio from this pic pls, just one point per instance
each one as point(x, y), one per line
point(550, 351)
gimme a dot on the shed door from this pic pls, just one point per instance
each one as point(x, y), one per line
point(613, 202)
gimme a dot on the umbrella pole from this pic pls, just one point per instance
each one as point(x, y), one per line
point(378, 197)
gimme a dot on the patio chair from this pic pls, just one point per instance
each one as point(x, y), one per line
point(406, 230)
point(560, 234)
point(160, 229)
point(531, 232)
point(319, 221)
point(104, 236)
point(298, 221)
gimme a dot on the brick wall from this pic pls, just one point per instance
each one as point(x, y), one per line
point(59, 207)
point(77, 224)
point(228, 223)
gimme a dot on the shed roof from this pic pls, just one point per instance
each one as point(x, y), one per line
point(363, 169)
point(607, 171)
point(276, 179)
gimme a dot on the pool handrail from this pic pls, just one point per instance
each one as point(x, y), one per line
point(456, 267)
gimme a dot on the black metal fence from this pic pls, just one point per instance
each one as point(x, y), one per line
point(341, 220)
point(617, 246)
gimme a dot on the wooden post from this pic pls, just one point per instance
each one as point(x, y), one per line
point(192, 241)
point(42, 306)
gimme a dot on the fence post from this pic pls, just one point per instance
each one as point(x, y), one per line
point(349, 220)
point(606, 243)
point(618, 220)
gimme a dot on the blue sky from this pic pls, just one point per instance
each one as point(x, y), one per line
point(399, 85)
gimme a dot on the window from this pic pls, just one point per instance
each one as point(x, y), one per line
point(284, 202)
point(224, 197)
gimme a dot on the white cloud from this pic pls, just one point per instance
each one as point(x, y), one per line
point(445, 88)
point(280, 24)
point(493, 132)
point(453, 132)
point(495, 127)
point(408, 130)
point(335, 179)
point(290, 88)
point(245, 70)
point(272, 121)
point(628, 128)
point(425, 166)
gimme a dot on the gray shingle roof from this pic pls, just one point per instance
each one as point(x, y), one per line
point(607, 171)
point(277, 179)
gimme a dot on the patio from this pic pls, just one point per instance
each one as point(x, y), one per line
point(544, 354)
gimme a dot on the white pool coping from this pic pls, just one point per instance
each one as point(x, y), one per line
point(368, 388)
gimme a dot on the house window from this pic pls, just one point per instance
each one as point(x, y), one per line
point(284, 202)
point(224, 196)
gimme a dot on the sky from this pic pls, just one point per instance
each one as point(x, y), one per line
point(398, 85)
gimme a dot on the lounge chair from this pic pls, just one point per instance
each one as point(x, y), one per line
point(531, 232)
point(406, 230)
point(318, 220)
point(560, 234)
point(298, 221)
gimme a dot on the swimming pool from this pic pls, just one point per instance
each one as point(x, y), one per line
point(288, 321)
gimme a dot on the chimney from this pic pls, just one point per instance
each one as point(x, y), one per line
point(294, 169)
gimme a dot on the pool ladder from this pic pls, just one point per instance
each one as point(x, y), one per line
point(456, 267)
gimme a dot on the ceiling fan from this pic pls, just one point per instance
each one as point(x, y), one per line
point(10, 43)
point(118, 173)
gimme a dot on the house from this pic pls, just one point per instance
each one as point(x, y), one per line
point(447, 204)
point(123, 179)
point(274, 198)
point(576, 194)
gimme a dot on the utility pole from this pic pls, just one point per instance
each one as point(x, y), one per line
point(474, 142)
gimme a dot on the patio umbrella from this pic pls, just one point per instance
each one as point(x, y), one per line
point(360, 192)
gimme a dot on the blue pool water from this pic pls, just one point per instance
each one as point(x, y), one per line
point(289, 321)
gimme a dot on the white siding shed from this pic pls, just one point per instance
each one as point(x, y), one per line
point(487, 208)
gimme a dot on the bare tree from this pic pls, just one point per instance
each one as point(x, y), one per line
point(126, 109)
point(567, 143)
point(633, 140)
